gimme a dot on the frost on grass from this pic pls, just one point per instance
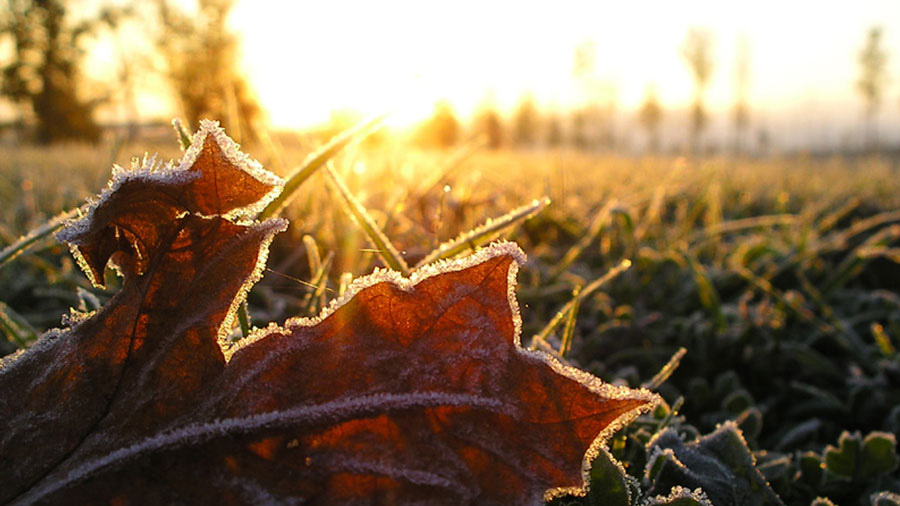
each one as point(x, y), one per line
point(719, 463)
point(407, 389)
point(484, 232)
point(680, 496)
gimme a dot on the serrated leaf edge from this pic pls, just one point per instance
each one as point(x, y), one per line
point(496, 249)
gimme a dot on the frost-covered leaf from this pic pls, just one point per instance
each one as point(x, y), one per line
point(680, 496)
point(859, 458)
point(841, 461)
point(720, 463)
point(609, 482)
point(135, 366)
point(879, 454)
point(406, 390)
point(812, 469)
point(885, 499)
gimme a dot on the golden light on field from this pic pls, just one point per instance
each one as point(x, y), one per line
point(307, 59)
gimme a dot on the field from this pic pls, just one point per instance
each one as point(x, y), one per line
point(778, 277)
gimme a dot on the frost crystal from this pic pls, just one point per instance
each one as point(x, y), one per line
point(677, 493)
point(149, 169)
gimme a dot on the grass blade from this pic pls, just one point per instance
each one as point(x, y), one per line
point(312, 254)
point(831, 219)
point(569, 329)
point(460, 155)
point(317, 160)
point(740, 225)
point(184, 137)
point(766, 287)
point(597, 223)
point(843, 237)
point(344, 283)
point(854, 262)
point(315, 261)
point(666, 370)
point(41, 232)
point(583, 294)
point(244, 319)
point(653, 213)
point(709, 297)
point(673, 412)
point(315, 299)
point(18, 331)
point(882, 339)
point(484, 233)
point(358, 212)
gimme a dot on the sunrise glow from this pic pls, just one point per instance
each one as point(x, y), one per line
point(309, 59)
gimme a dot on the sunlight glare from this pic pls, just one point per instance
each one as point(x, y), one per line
point(308, 60)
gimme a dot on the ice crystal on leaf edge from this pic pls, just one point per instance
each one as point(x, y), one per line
point(496, 249)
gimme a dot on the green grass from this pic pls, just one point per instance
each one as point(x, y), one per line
point(778, 277)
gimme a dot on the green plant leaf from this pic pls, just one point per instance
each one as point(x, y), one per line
point(842, 461)
point(609, 486)
point(812, 468)
point(719, 463)
point(879, 454)
point(885, 499)
point(680, 496)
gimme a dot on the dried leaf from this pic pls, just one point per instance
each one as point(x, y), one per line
point(405, 390)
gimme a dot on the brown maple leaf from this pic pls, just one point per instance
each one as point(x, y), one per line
point(404, 391)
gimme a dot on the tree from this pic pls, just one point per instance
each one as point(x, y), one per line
point(525, 122)
point(650, 116)
point(872, 62)
point(580, 135)
point(44, 75)
point(697, 53)
point(554, 131)
point(489, 125)
point(200, 56)
point(741, 111)
point(441, 130)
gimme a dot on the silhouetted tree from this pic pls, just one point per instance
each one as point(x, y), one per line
point(872, 62)
point(200, 54)
point(580, 135)
point(650, 116)
point(741, 112)
point(554, 131)
point(525, 122)
point(442, 130)
point(697, 53)
point(489, 125)
point(44, 73)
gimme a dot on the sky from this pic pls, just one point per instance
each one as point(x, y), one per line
point(306, 58)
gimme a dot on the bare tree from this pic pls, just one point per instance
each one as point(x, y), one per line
point(741, 110)
point(44, 75)
point(489, 125)
point(201, 56)
point(697, 52)
point(872, 63)
point(650, 116)
point(525, 122)
point(442, 130)
point(555, 134)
